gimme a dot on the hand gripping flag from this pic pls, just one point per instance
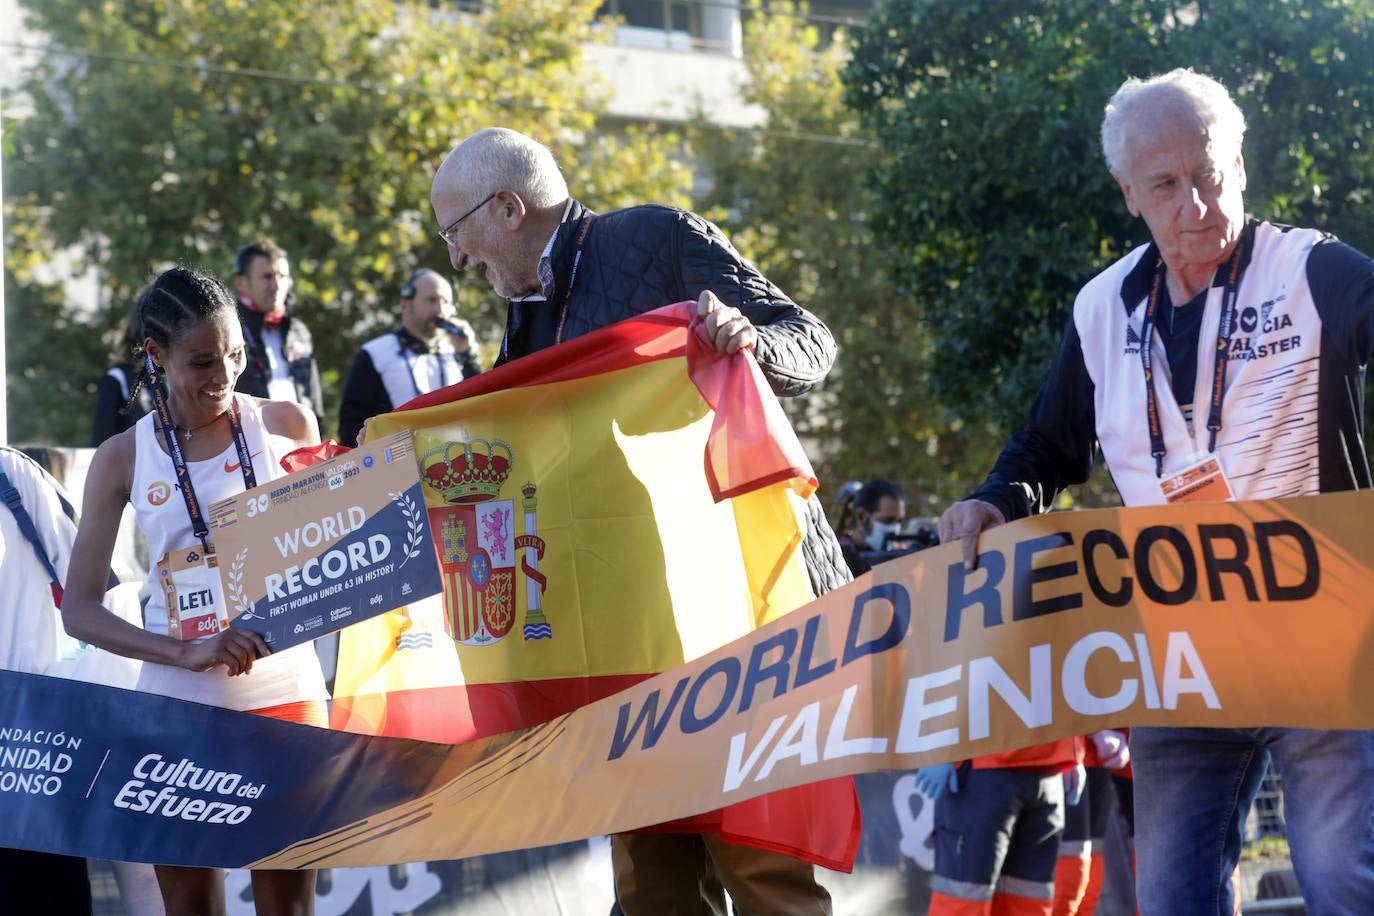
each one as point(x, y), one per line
point(603, 511)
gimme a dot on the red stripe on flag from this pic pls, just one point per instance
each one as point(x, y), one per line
point(759, 448)
point(801, 822)
point(627, 343)
point(453, 715)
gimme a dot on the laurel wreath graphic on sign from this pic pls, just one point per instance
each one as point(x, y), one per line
point(242, 606)
point(414, 528)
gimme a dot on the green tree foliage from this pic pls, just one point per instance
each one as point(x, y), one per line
point(42, 342)
point(793, 199)
point(993, 186)
point(177, 131)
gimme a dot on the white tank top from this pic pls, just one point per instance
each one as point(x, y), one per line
point(288, 676)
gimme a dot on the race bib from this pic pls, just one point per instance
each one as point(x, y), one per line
point(190, 582)
point(1204, 481)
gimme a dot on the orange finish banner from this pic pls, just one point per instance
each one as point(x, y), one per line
point(1199, 614)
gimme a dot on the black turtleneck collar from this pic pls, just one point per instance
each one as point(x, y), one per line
point(1136, 286)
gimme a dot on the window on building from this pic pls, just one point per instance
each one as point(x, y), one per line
point(680, 24)
point(703, 25)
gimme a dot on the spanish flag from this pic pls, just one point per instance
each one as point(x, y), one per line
point(603, 511)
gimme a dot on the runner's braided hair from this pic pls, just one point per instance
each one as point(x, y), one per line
point(177, 301)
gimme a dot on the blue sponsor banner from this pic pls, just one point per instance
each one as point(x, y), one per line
point(114, 774)
point(117, 774)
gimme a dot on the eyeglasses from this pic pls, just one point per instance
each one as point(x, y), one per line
point(446, 233)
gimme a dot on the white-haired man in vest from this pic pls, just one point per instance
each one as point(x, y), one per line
point(1255, 339)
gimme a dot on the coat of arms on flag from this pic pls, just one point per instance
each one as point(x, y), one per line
point(475, 535)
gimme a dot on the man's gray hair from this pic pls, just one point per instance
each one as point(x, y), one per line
point(497, 157)
point(1214, 106)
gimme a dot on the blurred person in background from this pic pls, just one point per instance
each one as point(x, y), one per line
point(1079, 875)
point(280, 351)
point(117, 407)
point(430, 349)
point(870, 516)
point(998, 822)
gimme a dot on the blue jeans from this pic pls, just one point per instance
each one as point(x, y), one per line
point(1194, 787)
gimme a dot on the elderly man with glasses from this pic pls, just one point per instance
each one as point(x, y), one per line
point(505, 210)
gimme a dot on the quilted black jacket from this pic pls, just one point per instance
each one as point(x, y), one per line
point(635, 260)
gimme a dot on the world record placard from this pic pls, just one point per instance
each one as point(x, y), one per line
point(330, 545)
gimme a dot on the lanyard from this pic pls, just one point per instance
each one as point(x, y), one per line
point(572, 278)
point(188, 493)
point(1226, 324)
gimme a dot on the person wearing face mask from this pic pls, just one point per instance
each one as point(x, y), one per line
point(874, 513)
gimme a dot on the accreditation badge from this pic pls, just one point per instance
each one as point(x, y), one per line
point(1202, 481)
point(190, 582)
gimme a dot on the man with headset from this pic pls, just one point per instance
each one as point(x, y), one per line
point(430, 350)
point(279, 349)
